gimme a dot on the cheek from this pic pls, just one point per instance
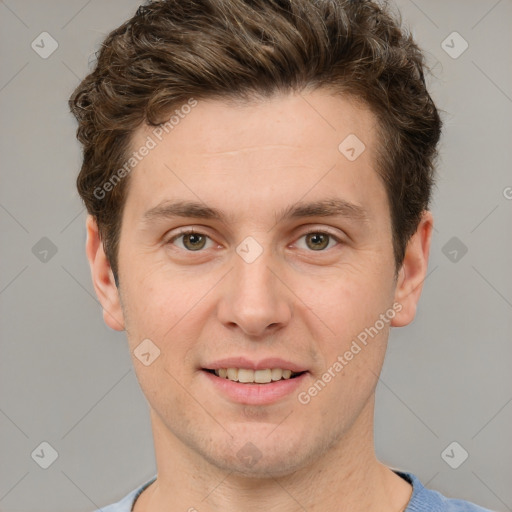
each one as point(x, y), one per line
point(155, 302)
point(349, 299)
point(163, 387)
point(171, 315)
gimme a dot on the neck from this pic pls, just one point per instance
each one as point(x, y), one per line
point(346, 477)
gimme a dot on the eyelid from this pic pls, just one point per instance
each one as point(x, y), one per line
point(322, 230)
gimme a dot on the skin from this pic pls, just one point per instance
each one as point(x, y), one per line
point(253, 160)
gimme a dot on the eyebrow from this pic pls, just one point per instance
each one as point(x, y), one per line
point(333, 207)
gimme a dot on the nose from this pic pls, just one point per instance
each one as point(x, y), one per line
point(254, 298)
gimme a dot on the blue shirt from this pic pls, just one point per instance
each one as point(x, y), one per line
point(422, 499)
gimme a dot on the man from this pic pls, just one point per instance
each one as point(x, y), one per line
point(257, 175)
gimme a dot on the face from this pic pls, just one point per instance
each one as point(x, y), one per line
point(290, 266)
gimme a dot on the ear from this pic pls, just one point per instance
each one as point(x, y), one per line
point(103, 278)
point(413, 271)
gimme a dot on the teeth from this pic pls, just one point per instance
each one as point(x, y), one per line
point(277, 374)
point(254, 376)
point(232, 374)
point(263, 376)
point(245, 375)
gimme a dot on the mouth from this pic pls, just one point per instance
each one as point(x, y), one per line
point(261, 387)
point(245, 380)
point(249, 376)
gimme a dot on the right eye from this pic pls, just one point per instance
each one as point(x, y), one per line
point(192, 241)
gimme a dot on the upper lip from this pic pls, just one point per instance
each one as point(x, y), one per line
point(262, 364)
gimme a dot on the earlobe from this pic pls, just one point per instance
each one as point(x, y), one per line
point(413, 271)
point(103, 278)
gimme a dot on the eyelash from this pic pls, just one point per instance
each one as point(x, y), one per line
point(194, 232)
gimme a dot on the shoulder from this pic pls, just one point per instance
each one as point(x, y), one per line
point(126, 504)
point(427, 500)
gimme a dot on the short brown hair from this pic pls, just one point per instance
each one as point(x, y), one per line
point(171, 50)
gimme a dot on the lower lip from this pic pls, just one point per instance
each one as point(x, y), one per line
point(255, 394)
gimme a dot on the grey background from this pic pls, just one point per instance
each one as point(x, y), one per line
point(66, 379)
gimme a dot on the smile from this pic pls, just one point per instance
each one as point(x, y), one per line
point(254, 387)
point(248, 376)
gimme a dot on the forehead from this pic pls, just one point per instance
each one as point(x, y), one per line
point(267, 149)
point(314, 119)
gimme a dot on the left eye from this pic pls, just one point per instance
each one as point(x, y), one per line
point(193, 241)
point(318, 240)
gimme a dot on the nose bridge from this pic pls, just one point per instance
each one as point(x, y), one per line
point(254, 299)
point(254, 279)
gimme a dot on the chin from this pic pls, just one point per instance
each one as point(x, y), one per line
point(260, 456)
point(263, 468)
